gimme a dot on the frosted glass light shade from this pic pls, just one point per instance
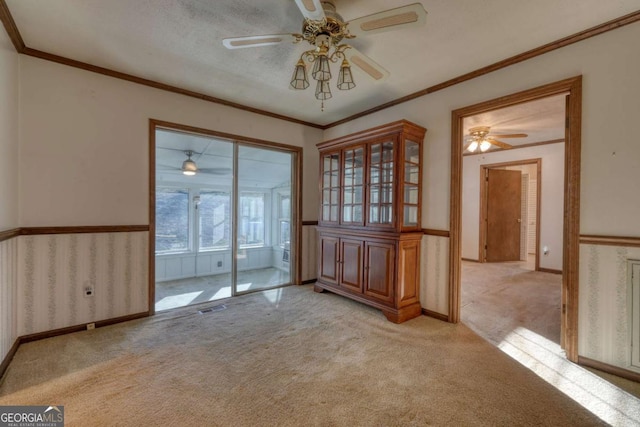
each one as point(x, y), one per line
point(345, 78)
point(323, 91)
point(321, 70)
point(299, 79)
point(189, 167)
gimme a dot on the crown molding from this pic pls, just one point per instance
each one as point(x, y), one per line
point(14, 34)
point(566, 41)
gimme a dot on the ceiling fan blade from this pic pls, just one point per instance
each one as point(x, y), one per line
point(409, 16)
point(311, 9)
point(256, 41)
point(216, 171)
point(366, 64)
point(500, 144)
point(511, 135)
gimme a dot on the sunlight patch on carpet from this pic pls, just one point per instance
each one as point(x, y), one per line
point(174, 301)
point(543, 357)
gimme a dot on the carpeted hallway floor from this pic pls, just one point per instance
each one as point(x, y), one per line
point(498, 298)
point(286, 357)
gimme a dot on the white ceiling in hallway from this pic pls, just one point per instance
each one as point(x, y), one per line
point(542, 120)
point(179, 42)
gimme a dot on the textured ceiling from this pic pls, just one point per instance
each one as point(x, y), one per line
point(179, 42)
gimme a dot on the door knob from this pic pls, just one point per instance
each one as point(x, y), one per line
point(519, 220)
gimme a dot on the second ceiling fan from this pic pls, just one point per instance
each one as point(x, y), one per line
point(479, 138)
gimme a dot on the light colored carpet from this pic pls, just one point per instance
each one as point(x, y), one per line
point(497, 298)
point(286, 357)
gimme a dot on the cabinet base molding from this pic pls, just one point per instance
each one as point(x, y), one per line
point(395, 315)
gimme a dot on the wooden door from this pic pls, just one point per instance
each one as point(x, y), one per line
point(504, 188)
point(351, 264)
point(328, 268)
point(379, 270)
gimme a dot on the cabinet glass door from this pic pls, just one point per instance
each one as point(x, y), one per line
point(330, 187)
point(381, 183)
point(352, 185)
point(411, 184)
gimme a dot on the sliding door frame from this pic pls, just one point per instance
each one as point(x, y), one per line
point(296, 192)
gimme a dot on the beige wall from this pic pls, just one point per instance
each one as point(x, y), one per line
point(84, 144)
point(84, 161)
point(609, 64)
point(9, 69)
point(551, 203)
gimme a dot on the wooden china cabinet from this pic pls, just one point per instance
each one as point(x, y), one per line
point(369, 224)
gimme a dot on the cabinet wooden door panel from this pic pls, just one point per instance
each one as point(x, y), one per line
point(379, 269)
point(328, 270)
point(351, 263)
point(408, 274)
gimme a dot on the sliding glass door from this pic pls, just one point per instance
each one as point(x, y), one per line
point(226, 229)
point(263, 218)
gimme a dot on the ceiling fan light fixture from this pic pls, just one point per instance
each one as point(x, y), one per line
point(189, 167)
point(345, 78)
point(484, 145)
point(299, 80)
point(473, 146)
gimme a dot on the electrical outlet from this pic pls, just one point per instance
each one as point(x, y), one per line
point(91, 326)
point(88, 291)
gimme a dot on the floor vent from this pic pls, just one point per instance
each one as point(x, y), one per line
point(213, 309)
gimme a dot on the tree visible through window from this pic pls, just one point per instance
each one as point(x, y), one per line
point(251, 225)
point(172, 220)
point(215, 224)
point(284, 220)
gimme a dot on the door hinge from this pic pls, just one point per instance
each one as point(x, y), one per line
point(564, 308)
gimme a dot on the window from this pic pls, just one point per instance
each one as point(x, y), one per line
point(284, 220)
point(215, 216)
point(172, 220)
point(251, 219)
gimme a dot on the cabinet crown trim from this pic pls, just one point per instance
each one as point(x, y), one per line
point(409, 128)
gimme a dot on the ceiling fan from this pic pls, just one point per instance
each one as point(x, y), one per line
point(479, 138)
point(190, 168)
point(324, 29)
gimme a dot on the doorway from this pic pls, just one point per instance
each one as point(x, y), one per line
point(570, 208)
point(224, 215)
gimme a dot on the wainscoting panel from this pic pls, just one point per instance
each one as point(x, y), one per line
point(434, 274)
point(604, 328)
point(55, 269)
point(8, 287)
point(309, 252)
